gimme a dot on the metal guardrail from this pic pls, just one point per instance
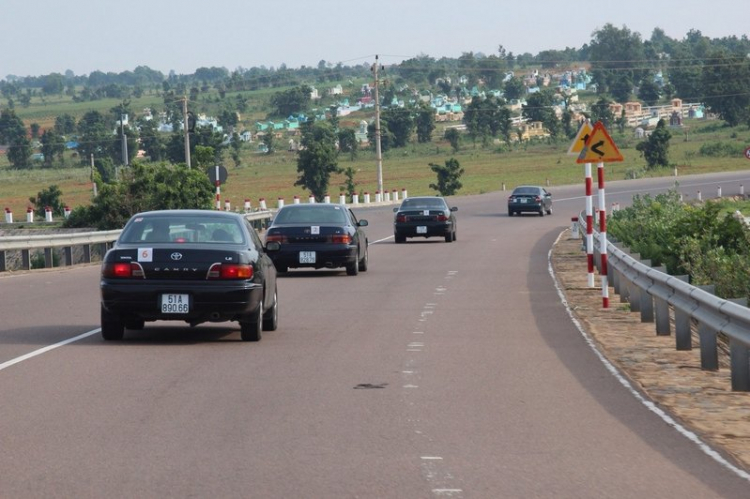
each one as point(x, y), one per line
point(654, 293)
point(104, 239)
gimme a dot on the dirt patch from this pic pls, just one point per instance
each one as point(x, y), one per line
point(701, 400)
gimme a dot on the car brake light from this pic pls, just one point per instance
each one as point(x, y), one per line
point(401, 218)
point(123, 270)
point(230, 271)
point(341, 239)
point(277, 238)
point(442, 218)
point(538, 199)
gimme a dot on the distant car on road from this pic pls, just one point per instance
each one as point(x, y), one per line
point(191, 265)
point(530, 198)
point(318, 235)
point(424, 216)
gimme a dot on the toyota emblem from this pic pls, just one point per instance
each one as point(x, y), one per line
point(176, 256)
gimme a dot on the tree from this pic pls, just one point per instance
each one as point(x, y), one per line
point(515, 88)
point(602, 112)
point(13, 132)
point(95, 136)
point(49, 197)
point(684, 72)
point(425, 124)
point(454, 138)
point(203, 157)
point(648, 90)
point(539, 107)
point(617, 60)
point(53, 146)
point(350, 186)
point(291, 101)
point(143, 188)
point(348, 142)
point(269, 141)
point(656, 148)
point(725, 83)
point(317, 158)
point(448, 177)
point(400, 123)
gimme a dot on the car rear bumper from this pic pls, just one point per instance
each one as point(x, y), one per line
point(215, 302)
point(520, 207)
point(429, 229)
point(330, 257)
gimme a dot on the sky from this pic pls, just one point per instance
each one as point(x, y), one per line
point(53, 36)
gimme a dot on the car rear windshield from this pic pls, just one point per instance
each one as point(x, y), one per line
point(162, 229)
point(436, 204)
point(311, 215)
point(526, 190)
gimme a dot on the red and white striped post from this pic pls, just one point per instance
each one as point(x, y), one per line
point(227, 205)
point(342, 198)
point(355, 198)
point(262, 203)
point(311, 199)
point(327, 199)
point(403, 193)
point(296, 199)
point(378, 197)
point(247, 205)
point(8, 216)
point(395, 194)
point(603, 235)
point(367, 198)
point(280, 202)
point(47, 214)
point(589, 226)
point(218, 195)
point(29, 215)
point(66, 211)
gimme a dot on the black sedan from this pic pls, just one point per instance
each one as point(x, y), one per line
point(530, 198)
point(190, 265)
point(424, 216)
point(318, 235)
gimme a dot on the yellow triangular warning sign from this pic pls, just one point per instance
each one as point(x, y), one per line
point(600, 148)
point(581, 137)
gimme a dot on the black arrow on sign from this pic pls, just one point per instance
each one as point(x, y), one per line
point(596, 147)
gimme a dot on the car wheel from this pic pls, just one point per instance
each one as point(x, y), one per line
point(365, 262)
point(454, 235)
point(251, 327)
point(271, 317)
point(134, 323)
point(510, 213)
point(352, 268)
point(399, 239)
point(112, 326)
point(549, 211)
point(541, 211)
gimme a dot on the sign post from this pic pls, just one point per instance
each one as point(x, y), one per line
point(575, 149)
point(218, 175)
point(600, 147)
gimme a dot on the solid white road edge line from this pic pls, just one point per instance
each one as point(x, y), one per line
point(46, 349)
point(624, 382)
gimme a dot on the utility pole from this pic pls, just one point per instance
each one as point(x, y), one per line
point(378, 151)
point(185, 128)
point(124, 141)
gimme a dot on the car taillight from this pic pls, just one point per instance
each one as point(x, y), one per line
point(537, 199)
point(276, 238)
point(341, 239)
point(401, 218)
point(442, 218)
point(230, 271)
point(123, 270)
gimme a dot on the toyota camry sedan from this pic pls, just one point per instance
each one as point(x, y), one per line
point(530, 198)
point(318, 235)
point(424, 216)
point(188, 265)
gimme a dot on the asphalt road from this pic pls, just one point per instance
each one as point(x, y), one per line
point(446, 370)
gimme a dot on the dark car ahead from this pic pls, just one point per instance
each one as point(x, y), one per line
point(318, 235)
point(190, 265)
point(424, 216)
point(530, 198)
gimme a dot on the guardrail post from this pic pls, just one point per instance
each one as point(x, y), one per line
point(26, 259)
point(48, 259)
point(68, 254)
point(682, 333)
point(615, 274)
point(738, 360)
point(709, 348)
point(86, 253)
point(3, 264)
point(661, 311)
point(646, 301)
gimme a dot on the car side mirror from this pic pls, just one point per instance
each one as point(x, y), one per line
point(273, 246)
point(362, 223)
point(454, 208)
point(395, 210)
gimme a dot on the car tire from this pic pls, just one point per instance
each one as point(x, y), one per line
point(449, 237)
point(365, 262)
point(251, 327)
point(510, 213)
point(399, 239)
point(541, 212)
point(454, 235)
point(352, 268)
point(549, 211)
point(113, 328)
point(271, 317)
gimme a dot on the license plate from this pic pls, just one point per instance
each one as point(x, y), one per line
point(523, 200)
point(306, 257)
point(421, 229)
point(175, 304)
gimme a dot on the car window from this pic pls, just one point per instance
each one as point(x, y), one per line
point(254, 237)
point(183, 229)
point(430, 203)
point(526, 190)
point(312, 215)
